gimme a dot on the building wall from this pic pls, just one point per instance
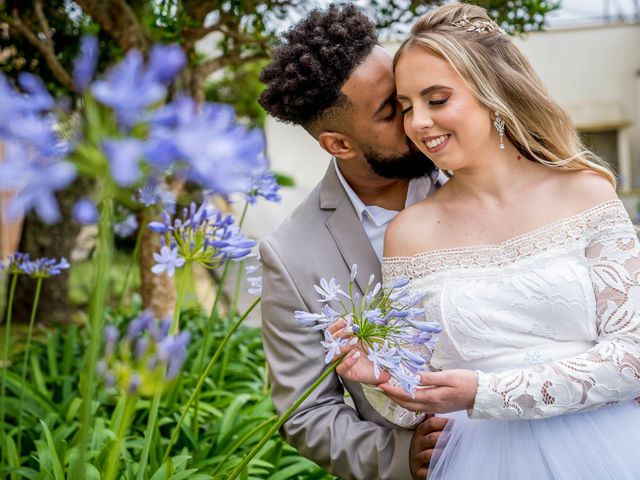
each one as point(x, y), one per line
point(594, 73)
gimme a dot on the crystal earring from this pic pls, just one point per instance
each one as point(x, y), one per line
point(499, 124)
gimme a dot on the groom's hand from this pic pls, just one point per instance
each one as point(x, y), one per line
point(423, 444)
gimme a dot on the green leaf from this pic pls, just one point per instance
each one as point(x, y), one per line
point(230, 417)
point(284, 180)
point(38, 377)
point(12, 457)
point(297, 466)
point(57, 465)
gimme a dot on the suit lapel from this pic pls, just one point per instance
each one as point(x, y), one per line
point(346, 229)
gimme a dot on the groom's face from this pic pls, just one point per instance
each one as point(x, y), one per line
point(376, 125)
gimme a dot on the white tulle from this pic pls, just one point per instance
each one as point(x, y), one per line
point(551, 321)
point(598, 445)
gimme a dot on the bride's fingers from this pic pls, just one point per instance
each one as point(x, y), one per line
point(421, 395)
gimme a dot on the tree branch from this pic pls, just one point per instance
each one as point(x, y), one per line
point(213, 65)
point(118, 19)
point(45, 48)
point(44, 24)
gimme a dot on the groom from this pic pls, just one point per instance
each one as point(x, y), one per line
point(331, 77)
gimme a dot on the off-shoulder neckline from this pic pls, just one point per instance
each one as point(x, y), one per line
point(505, 243)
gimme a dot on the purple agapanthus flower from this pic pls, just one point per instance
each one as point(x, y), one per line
point(388, 322)
point(330, 290)
point(140, 324)
point(151, 194)
point(128, 90)
point(203, 235)
point(124, 158)
point(173, 351)
point(126, 227)
point(15, 261)
point(165, 63)
point(332, 346)
point(147, 359)
point(44, 267)
point(168, 260)
point(84, 65)
point(38, 187)
point(32, 169)
point(214, 151)
point(266, 186)
point(111, 336)
point(85, 212)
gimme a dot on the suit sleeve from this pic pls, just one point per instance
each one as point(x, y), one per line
point(324, 428)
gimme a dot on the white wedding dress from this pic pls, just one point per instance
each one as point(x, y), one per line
point(551, 321)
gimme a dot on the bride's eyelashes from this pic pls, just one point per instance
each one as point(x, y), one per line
point(433, 103)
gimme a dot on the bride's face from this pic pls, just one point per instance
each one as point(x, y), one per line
point(441, 114)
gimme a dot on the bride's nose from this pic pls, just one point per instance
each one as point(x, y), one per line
point(421, 119)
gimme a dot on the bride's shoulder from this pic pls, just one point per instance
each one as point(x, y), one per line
point(580, 190)
point(411, 228)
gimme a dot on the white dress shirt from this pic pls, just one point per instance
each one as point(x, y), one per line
point(375, 219)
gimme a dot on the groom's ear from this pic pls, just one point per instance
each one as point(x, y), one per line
point(338, 145)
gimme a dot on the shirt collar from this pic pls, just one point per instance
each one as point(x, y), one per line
point(419, 189)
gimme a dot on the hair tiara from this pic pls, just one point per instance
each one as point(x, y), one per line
point(477, 26)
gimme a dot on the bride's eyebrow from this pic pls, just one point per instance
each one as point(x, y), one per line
point(425, 91)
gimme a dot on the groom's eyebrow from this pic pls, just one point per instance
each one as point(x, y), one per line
point(390, 99)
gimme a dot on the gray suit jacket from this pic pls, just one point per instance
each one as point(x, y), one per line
point(323, 237)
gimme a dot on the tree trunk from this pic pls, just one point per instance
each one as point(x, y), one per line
point(53, 241)
point(158, 291)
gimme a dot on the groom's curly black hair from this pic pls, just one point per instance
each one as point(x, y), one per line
point(315, 59)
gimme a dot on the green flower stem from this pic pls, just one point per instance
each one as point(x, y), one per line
point(134, 258)
point(155, 403)
point(242, 440)
point(148, 434)
point(244, 214)
point(203, 377)
point(123, 424)
point(236, 471)
point(34, 308)
point(96, 329)
point(212, 315)
point(182, 286)
point(236, 294)
point(5, 363)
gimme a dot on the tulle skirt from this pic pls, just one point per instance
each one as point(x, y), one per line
point(603, 444)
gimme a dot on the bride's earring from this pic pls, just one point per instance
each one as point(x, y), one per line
point(499, 124)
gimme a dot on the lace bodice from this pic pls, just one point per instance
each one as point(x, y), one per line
point(550, 319)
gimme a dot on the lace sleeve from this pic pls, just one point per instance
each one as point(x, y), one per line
point(607, 373)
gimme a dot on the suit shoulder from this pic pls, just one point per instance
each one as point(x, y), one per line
point(306, 224)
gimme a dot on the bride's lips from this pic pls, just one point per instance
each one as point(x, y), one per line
point(440, 141)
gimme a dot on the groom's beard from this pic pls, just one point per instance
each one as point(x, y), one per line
point(413, 164)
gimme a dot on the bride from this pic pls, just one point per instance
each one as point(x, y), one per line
point(529, 261)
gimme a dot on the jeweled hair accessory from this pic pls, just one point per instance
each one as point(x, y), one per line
point(477, 26)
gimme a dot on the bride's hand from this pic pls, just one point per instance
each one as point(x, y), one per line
point(355, 366)
point(441, 392)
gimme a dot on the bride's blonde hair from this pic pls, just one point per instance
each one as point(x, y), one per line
point(504, 82)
